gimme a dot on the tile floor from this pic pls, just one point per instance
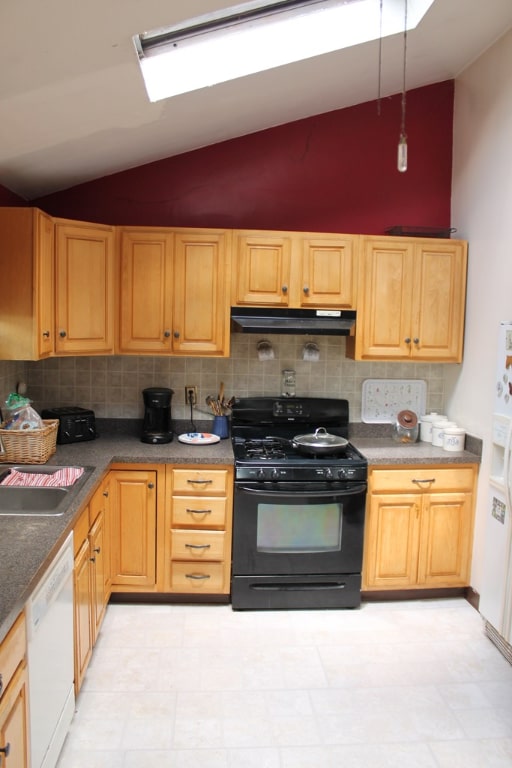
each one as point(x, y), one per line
point(393, 685)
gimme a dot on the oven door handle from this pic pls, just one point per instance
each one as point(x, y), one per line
point(355, 489)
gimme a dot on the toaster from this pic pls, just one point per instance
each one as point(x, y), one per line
point(75, 424)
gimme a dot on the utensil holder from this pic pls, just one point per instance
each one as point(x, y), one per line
point(221, 427)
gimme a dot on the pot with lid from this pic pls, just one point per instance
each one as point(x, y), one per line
point(319, 442)
point(406, 428)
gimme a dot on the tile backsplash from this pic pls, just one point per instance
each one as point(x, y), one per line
point(111, 386)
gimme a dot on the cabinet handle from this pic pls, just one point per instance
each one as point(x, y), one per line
point(92, 559)
point(176, 334)
point(6, 749)
point(306, 289)
point(407, 340)
point(197, 576)
point(428, 480)
point(416, 340)
point(167, 334)
point(200, 482)
point(62, 334)
point(198, 546)
point(151, 485)
point(284, 289)
point(1, 684)
point(46, 334)
point(105, 493)
point(198, 511)
point(97, 550)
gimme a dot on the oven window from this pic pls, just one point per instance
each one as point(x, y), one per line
point(299, 527)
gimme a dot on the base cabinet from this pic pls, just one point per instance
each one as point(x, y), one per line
point(198, 515)
point(419, 527)
point(14, 736)
point(91, 578)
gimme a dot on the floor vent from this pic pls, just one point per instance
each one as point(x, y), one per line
point(499, 641)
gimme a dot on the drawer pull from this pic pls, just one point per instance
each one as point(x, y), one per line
point(197, 576)
point(6, 749)
point(200, 482)
point(198, 546)
point(199, 511)
point(427, 480)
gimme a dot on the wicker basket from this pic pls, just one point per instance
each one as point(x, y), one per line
point(29, 446)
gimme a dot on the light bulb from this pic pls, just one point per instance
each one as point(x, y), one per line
point(402, 153)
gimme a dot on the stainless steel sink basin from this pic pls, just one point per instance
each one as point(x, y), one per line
point(36, 500)
point(32, 501)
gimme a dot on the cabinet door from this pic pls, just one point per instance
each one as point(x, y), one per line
point(328, 274)
point(146, 291)
point(385, 309)
point(100, 505)
point(98, 561)
point(445, 550)
point(133, 528)
point(84, 289)
point(83, 613)
point(200, 295)
point(391, 541)
point(44, 265)
point(439, 289)
point(14, 721)
point(262, 268)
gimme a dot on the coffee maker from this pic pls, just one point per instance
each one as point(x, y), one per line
point(157, 426)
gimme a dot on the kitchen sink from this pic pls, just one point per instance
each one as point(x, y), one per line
point(35, 500)
point(32, 501)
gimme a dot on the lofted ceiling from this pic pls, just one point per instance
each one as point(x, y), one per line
point(73, 106)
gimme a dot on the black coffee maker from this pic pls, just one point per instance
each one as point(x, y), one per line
point(157, 425)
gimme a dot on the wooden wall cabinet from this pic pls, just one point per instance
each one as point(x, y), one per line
point(14, 727)
point(412, 300)
point(198, 515)
point(294, 269)
point(27, 308)
point(84, 285)
point(419, 527)
point(174, 297)
point(91, 577)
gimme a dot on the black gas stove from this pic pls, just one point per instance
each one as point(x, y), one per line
point(298, 518)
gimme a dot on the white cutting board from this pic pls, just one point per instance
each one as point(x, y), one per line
point(382, 399)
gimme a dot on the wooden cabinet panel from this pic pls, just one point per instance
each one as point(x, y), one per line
point(84, 288)
point(83, 613)
point(133, 531)
point(198, 481)
point(328, 275)
point(262, 274)
point(14, 720)
point(201, 296)
point(419, 527)
point(146, 291)
point(208, 578)
point(198, 545)
point(27, 313)
point(201, 512)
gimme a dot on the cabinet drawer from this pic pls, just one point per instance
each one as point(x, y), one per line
point(417, 479)
point(198, 481)
point(198, 512)
point(197, 577)
point(12, 651)
point(197, 545)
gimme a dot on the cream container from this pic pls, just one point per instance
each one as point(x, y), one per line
point(426, 424)
point(438, 428)
point(454, 439)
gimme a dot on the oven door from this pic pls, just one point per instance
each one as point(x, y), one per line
point(288, 528)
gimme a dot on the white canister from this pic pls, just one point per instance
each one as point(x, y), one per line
point(426, 423)
point(454, 439)
point(438, 428)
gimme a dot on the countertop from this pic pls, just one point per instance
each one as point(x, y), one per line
point(28, 544)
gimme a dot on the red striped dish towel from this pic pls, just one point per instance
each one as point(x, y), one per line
point(61, 477)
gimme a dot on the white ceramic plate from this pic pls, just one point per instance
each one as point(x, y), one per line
point(198, 438)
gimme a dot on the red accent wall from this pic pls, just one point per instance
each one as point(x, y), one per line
point(331, 172)
point(9, 198)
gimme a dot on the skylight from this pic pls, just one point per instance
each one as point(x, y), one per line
point(256, 36)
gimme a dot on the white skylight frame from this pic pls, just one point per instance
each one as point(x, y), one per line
point(227, 45)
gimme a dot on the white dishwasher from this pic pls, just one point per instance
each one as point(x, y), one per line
point(50, 659)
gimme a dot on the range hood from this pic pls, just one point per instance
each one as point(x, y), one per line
point(316, 322)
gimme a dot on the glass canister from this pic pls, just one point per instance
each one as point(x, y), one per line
point(288, 383)
point(406, 427)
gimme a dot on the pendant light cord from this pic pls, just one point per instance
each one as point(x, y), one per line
point(379, 76)
point(402, 125)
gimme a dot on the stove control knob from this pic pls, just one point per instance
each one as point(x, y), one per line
point(260, 475)
point(328, 474)
point(274, 475)
point(341, 473)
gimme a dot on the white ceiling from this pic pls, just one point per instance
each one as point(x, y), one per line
point(73, 106)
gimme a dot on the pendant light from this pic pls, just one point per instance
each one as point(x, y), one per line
point(402, 143)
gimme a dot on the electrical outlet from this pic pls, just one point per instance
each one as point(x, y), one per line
point(190, 395)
